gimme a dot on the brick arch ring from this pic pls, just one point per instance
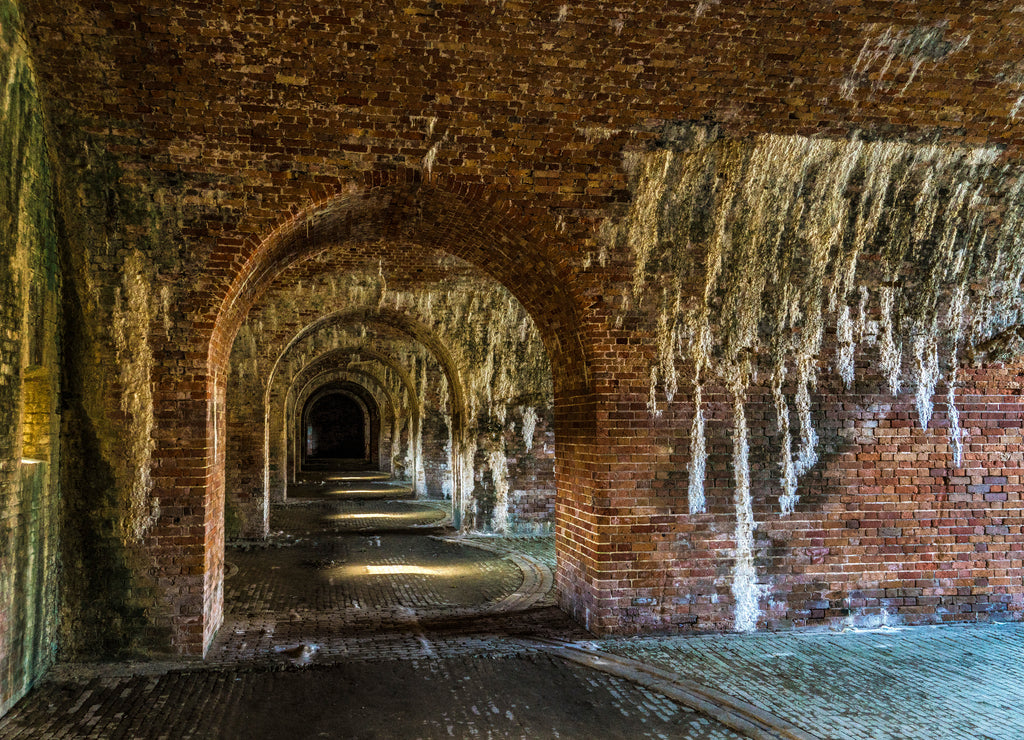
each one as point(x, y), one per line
point(372, 385)
point(418, 332)
point(334, 361)
point(357, 394)
point(520, 249)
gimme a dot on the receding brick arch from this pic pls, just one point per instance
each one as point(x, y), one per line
point(520, 250)
point(414, 329)
point(286, 399)
point(299, 397)
point(370, 417)
point(265, 436)
point(277, 388)
point(283, 400)
point(259, 453)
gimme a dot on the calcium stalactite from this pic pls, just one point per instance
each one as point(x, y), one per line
point(698, 457)
point(890, 54)
point(529, 426)
point(444, 405)
point(956, 310)
point(421, 472)
point(498, 463)
point(698, 443)
point(890, 352)
point(798, 235)
point(468, 473)
point(926, 362)
point(788, 480)
point(844, 338)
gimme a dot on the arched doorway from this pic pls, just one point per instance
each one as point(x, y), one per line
point(289, 380)
point(498, 238)
point(336, 430)
point(312, 388)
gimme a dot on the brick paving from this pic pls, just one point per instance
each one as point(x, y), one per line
point(361, 618)
point(940, 683)
point(359, 516)
point(343, 578)
point(345, 624)
point(532, 696)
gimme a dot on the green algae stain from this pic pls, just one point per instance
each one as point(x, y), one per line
point(30, 289)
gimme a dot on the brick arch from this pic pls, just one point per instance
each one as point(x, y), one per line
point(277, 408)
point(414, 330)
point(517, 249)
point(259, 456)
point(360, 395)
point(370, 383)
point(401, 322)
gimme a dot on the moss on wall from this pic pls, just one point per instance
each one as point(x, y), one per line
point(750, 252)
point(72, 567)
point(29, 356)
point(104, 606)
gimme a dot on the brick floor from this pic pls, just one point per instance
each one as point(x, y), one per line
point(355, 619)
point(532, 696)
point(938, 683)
point(309, 517)
point(362, 618)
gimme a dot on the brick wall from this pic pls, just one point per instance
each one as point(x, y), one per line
point(232, 145)
point(30, 450)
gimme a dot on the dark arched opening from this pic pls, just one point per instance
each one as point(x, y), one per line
point(335, 427)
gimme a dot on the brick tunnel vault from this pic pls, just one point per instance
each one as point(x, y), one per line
point(494, 237)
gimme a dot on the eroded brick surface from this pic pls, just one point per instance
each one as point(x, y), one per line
point(204, 151)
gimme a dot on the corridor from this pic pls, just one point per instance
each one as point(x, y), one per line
point(362, 617)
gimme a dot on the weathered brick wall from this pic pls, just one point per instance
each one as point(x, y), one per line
point(222, 145)
point(886, 530)
point(892, 530)
point(30, 451)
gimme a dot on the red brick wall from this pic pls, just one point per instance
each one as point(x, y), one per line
point(496, 132)
point(886, 530)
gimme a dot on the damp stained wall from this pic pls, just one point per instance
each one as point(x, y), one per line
point(30, 451)
point(784, 267)
point(517, 135)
